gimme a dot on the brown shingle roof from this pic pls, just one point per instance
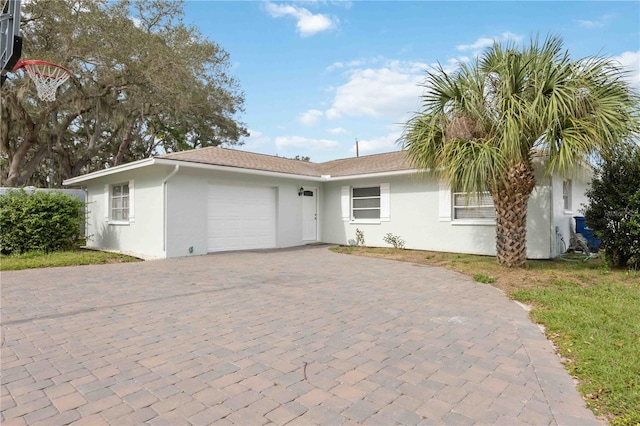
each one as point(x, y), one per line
point(392, 161)
point(246, 160)
point(377, 163)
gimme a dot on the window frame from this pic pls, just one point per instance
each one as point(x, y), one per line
point(109, 197)
point(353, 209)
point(469, 205)
point(121, 197)
point(346, 213)
point(567, 189)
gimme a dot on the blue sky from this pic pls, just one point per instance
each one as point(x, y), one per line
point(319, 74)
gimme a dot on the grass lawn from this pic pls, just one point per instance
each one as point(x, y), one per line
point(61, 258)
point(591, 313)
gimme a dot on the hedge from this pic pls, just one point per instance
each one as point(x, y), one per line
point(40, 221)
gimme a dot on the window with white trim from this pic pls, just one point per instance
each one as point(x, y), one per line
point(368, 204)
point(566, 194)
point(120, 202)
point(365, 203)
point(473, 207)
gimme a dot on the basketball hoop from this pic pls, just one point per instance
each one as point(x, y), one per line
point(46, 76)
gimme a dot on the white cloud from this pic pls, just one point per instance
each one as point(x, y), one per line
point(588, 24)
point(630, 61)
point(287, 142)
point(310, 117)
point(385, 143)
point(350, 64)
point(335, 66)
point(479, 44)
point(599, 23)
point(344, 3)
point(389, 91)
point(308, 23)
point(338, 131)
point(356, 63)
point(484, 42)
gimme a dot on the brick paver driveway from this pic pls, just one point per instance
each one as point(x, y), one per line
point(300, 336)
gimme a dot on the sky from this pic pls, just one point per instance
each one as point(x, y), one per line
point(317, 75)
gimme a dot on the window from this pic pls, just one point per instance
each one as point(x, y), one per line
point(120, 202)
point(366, 203)
point(369, 204)
point(566, 194)
point(474, 207)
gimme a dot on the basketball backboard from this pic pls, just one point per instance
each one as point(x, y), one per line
point(10, 39)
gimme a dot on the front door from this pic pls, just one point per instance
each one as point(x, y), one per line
point(310, 214)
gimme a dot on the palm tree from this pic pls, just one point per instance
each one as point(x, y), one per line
point(481, 125)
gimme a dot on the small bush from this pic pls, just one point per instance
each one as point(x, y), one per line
point(359, 237)
point(394, 240)
point(39, 221)
point(614, 208)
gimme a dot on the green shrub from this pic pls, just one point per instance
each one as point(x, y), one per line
point(394, 240)
point(359, 237)
point(39, 221)
point(614, 208)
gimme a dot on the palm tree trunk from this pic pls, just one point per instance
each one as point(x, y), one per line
point(510, 199)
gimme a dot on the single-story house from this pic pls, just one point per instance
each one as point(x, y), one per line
point(217, 199)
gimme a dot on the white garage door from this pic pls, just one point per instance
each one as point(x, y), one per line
point(241, 217)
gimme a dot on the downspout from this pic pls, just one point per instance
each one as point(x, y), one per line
point(553, 233)
point(164, 210)
point(86, 215)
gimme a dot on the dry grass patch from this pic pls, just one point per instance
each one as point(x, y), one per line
point(538, 272)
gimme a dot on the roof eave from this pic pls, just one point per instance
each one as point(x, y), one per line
point(187, 164)
point(243, 170)
point(374, 175)
point(106, 172)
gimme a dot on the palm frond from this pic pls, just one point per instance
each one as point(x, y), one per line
point(473, 166)
point(512, 100)
point(422, 139)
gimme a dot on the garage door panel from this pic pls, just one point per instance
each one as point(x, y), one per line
point(241, 217)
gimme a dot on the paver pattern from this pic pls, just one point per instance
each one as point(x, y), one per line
point(296, 337)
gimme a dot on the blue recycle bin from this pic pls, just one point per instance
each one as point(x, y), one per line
point(581, 228)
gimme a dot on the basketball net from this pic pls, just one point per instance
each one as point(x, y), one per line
point(46, 76)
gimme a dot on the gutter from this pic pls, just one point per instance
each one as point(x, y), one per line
point(329, 178)
point(164, 207)
point(242, 170)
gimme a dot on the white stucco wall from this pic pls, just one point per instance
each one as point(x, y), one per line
point(415, 217)
point(187, 207)
point(414, 207)
point(186, 210)
point(563, 220)
point(143, 237)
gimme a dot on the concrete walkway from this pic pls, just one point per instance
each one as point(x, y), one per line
point(300, 336)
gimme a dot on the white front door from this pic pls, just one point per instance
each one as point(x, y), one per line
point(310, 214)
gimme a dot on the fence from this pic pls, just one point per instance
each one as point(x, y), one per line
point(78, 193)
